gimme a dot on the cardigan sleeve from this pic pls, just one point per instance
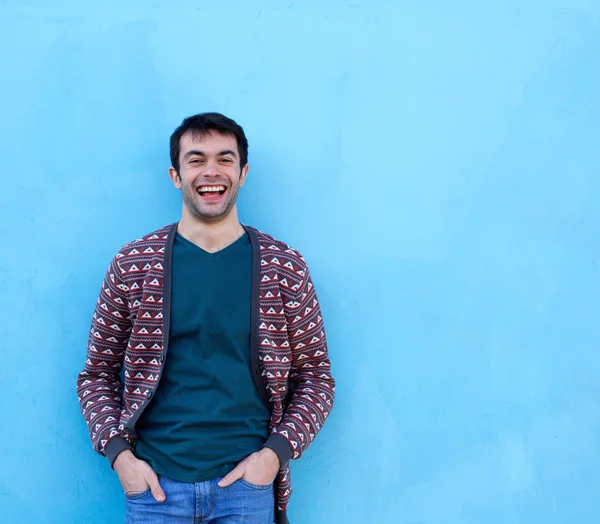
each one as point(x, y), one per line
point(99, 386)
point(312, 386)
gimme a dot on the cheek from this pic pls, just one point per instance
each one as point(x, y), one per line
point(187, 177)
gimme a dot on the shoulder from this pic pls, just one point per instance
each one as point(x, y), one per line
point(271, 246)
point(146, 246)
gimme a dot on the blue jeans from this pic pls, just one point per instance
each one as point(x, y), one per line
point(191, 503)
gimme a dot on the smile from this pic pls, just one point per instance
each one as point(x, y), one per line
point(211, 191)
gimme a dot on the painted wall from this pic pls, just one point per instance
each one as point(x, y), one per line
point(442, 161)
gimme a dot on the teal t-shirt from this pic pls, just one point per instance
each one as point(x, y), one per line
point(206, 414)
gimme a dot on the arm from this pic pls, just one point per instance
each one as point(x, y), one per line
point(311, 385)
point(99, 387)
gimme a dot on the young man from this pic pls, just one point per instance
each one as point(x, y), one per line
point(218, 327)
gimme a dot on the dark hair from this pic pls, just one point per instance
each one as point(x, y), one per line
point(202, 124)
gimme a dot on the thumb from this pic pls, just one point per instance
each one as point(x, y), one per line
point(157, 491)
point(235, 474)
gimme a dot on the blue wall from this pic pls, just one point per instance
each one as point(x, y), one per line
point(436, 162)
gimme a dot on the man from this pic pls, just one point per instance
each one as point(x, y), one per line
point(226, 371)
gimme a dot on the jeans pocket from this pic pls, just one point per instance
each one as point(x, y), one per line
point(255, 486)
point(137, 496)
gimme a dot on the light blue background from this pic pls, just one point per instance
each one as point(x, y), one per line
point(437, 163)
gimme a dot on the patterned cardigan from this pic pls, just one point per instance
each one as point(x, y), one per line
point(130, 328)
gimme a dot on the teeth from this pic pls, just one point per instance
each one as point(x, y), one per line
point(204, 189)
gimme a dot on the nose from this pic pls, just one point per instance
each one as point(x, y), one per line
point(210, 168)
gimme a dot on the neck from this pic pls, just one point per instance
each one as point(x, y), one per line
point(210, 236)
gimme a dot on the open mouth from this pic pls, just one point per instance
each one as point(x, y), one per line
point(211, 192)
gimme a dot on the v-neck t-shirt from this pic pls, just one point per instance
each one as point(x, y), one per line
point(206, 414)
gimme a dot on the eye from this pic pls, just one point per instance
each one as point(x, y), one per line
point(195, 161)
point(226, 160)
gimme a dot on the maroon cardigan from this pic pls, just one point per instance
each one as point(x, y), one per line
point(130, 326)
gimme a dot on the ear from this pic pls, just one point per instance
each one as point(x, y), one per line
point(243, 174)
point(175, 178)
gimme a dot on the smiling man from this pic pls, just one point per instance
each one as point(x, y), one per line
point(226, 370)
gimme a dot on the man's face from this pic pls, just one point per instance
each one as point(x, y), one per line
point(209, 175)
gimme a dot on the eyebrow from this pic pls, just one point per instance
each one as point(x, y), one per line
point(201, 153)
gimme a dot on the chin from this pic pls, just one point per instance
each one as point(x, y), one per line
point(212, 216)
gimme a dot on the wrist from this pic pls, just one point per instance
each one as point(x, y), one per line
point(281, 447)
point(271, 457)
point(125, 457)
point(114, 447)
